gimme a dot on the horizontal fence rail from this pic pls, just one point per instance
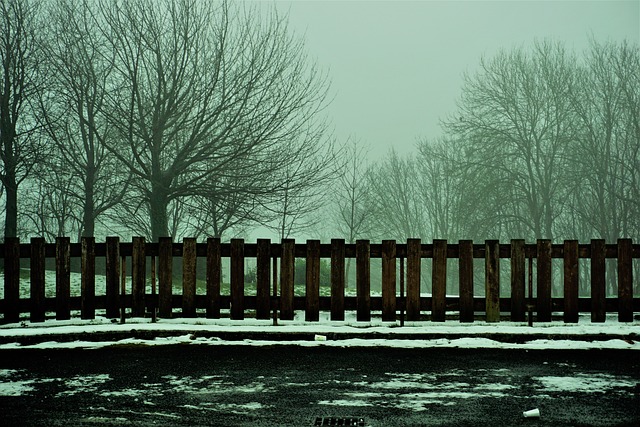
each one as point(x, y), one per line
point(401, 277)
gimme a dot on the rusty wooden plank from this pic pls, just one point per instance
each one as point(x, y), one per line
point(492, 280)
point(543, 269)
point(363, 281)
point(214, 277)
point(287, 271)
point(466, 280)
point(388, 280)
point(189, 267)
point(337, 279)
point(263, 283)
point(598, 285)
point(88, 279)
point(625, 280)
point(237, 279)
point(37, 284)
point(138, 277)
point(63, 279)
point(112, 279)
point(439, 281)
point(11, 279)
point(571, 281)
point(165, 277)
point(414, 257)
point(518, 300)
point(312, 291)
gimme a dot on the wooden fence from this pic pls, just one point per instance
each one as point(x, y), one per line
point(274, 294)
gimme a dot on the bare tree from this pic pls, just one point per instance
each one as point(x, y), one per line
point(351, 193)
point(20, 142)
point(81, 69)
point(396, 212)
point(516, 117)
point(203, 85)
point(351, 197)
point(447, 189)
point(47, 210)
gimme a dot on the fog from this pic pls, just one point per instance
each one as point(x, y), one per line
point(508, 119)
point(396, 66)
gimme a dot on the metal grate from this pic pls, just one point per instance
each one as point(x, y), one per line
point(339, 421)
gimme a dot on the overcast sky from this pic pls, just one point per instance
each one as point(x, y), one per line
point(396, 66)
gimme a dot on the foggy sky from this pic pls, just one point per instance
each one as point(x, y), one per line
point(396, 66)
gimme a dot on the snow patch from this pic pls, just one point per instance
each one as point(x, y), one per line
point(15, 388)
point(586, 383)
point(84, 384)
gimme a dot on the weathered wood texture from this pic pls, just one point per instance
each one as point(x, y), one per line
point(312, 289)
point(165, 277)
point(598, 286)
point(363, 281)
point(112, 267)
point(138, 277)
point(88, 280)
point(213, 277)
point(465, 259)
point(63, 279)
point(237, 279)
point(518, 300)
point(625, 280)
point(544, 280)
point(287, 271)
point(439, 281)
point(263, 278)
point(492, 280)
point(237, 305)
point(189, 266)
point(388, 280)
point(571, 287)
point(414, 262)
point(36, 268)
point(337, 279)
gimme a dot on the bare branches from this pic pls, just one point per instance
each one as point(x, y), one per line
point(20, 146)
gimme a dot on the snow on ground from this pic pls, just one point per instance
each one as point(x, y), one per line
point(415, 392)
point(348, 333)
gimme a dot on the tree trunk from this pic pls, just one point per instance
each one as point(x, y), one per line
point(11, 214)
point(158, 205)
point(88, 217)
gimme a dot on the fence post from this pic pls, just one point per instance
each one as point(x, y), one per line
point(37, 279)
point(625, 281)
point(189, 261)
point(214, 277)
point(543, 270)
point(571, 281)
point(165, 277)
point(492, 280)
point(287, 271)
point(363, 281)
point(112, 279)
point(518, 302)
point(138, 277)
point(439, 281)
point(389, 280)
point(414, 256)
point(312, 291)
point(337, 279)
point(263, 273)
point(237, 279)
point(88, 279)
point(598, 269)
point(466, 280)
point(63, 278)
point(11, 279)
